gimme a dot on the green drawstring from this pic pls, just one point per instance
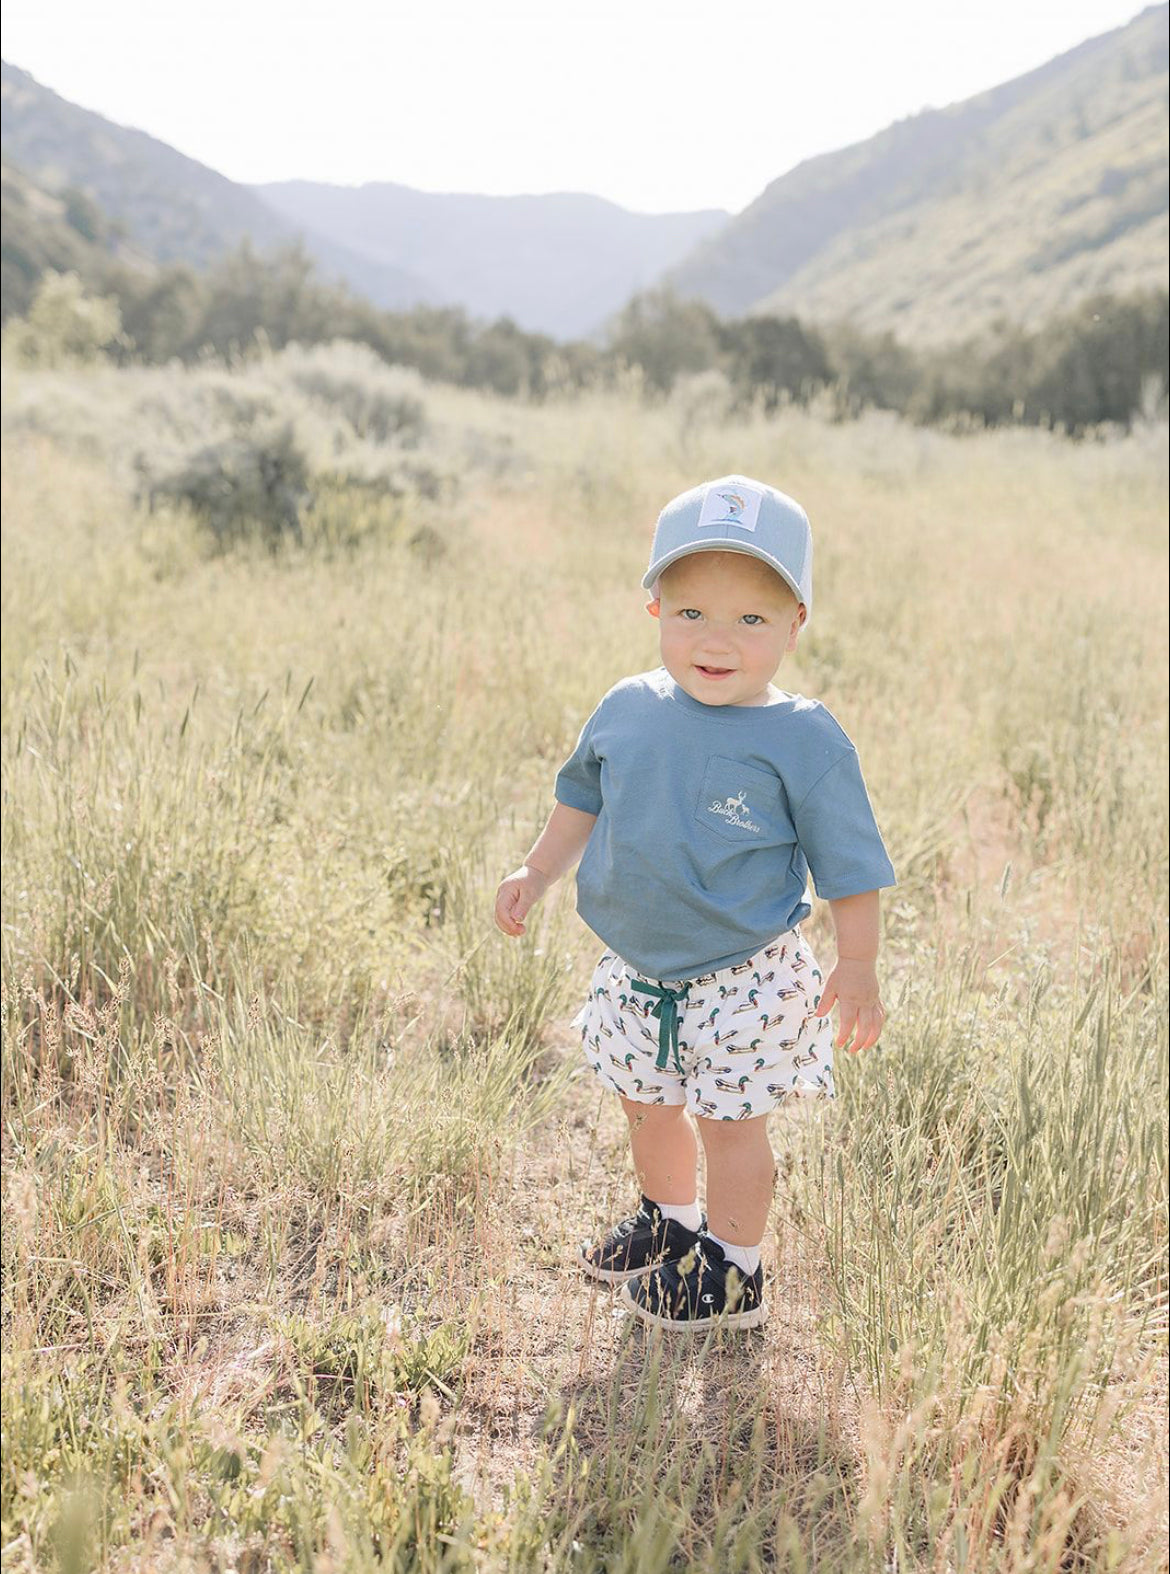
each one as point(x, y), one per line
point(668, 1020)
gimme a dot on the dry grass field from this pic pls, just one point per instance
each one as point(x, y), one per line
point(297, 1145)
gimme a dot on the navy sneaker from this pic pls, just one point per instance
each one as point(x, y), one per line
point(701, 1290)
point(637, 1245)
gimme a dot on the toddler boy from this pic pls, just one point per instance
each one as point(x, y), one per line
point(701, 796)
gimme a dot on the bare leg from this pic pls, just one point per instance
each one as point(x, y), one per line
point(666, 1155)
point(740, 1177)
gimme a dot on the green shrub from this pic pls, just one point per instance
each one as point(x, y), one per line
point(64, 326)
point(382, 403)
point(259, 478)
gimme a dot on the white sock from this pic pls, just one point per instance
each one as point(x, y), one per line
point(745, 1257)
point(685, 1212)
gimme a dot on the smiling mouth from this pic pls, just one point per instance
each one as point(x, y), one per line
point(714, 672)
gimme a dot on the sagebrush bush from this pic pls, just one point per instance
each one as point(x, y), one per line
point(382, 403)
point(263, 449)
point(256, 480)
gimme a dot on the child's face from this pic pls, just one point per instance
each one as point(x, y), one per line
point(726, 621)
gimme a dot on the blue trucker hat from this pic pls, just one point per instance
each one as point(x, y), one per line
point(737, 514)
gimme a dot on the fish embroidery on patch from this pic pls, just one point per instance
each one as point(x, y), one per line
point(730, 505)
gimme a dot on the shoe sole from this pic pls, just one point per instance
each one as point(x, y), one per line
point(752, 1318)
point(614, 1275)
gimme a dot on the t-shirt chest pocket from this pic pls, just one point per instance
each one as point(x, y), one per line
point(741, 803)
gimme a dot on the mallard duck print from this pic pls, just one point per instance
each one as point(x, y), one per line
point(747, 1035)
point(742, 1113)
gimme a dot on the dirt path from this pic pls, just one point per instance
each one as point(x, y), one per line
point(547, 1334)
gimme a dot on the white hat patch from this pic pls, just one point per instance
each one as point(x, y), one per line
point(731, 504)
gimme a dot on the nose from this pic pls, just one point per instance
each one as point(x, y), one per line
point(718, 639)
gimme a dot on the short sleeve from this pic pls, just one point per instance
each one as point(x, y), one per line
point(578, 782)
point(839, 836)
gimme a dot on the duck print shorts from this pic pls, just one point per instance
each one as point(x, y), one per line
point(729, 1045)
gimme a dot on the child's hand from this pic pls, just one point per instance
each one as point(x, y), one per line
point(517, 893)
point(853, 988)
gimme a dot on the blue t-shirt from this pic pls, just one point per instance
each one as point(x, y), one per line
point(710, 818)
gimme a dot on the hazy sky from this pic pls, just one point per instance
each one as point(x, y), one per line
point(658, 107)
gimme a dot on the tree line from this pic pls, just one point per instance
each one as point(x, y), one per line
point(1106, 361)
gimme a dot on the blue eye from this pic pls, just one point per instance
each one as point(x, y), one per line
point(691, 613)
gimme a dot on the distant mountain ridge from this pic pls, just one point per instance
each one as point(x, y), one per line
point(172, 208)
point(1017, 203)
point(558, 264)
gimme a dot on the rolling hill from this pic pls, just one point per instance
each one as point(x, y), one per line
point(172, 208)
point(1016, 204)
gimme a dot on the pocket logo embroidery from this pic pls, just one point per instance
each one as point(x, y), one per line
point(735, 811)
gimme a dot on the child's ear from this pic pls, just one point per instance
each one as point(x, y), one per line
point(797, 625)
point(654, 607)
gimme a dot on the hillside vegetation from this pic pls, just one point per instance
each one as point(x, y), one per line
point(1015, 205)
point(171, 207)
point(298, 1147)
point(45, 232)
point(175, 208)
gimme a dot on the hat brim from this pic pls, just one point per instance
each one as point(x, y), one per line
point(691, 547)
